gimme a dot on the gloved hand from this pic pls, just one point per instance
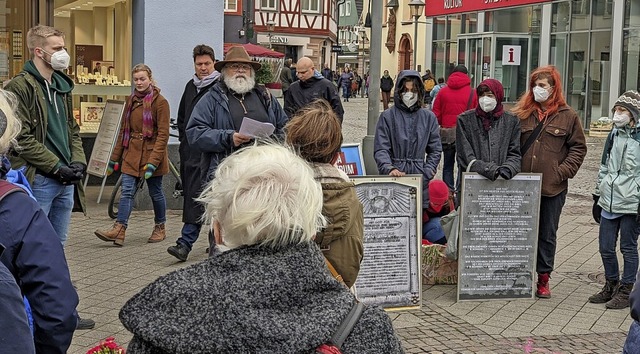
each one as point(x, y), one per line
point(149, 170)
point(505, 173)
point(113, 166)
point(66, 175)
point(596, 210)
point(79, 168)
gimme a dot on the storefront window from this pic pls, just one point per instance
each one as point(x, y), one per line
point(560, 17)
point(602, 14)
point(14, 24)
point(580, 10)
point(631, 13)
point(439, 28)
point(630, 72)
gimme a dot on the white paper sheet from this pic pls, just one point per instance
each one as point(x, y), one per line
point(255, 129)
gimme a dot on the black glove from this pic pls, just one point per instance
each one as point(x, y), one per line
point(597, 209)
point(66, 175)
point(505, 173)
point(78, 167)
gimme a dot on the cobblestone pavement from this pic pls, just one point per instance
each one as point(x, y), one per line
point(106, 277)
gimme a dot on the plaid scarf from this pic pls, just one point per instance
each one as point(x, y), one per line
point(147, 118)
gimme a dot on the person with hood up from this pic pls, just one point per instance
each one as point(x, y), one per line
point(407, 139)
point(487, 137)
point(310, 87)
point(269, 290)
point(440, 204)
point(458, 96)
point(616, 204)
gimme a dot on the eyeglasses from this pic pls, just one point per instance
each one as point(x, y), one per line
point(238, 66)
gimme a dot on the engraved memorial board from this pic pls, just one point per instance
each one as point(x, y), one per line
point(498, 237)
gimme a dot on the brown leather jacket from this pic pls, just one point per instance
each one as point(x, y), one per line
point(142, 151)
point(558, 152)
point(341, 241)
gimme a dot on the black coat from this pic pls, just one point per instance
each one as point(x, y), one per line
point(301, 93)
point(189, 157)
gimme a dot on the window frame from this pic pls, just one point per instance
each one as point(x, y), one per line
point(310, 7)
point(263, 7)
point(226, 6)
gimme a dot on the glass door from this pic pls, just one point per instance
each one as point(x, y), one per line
point(512, 65)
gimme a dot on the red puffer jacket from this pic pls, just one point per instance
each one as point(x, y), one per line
point(453, 99)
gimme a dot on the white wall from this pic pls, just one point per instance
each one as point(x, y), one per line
point(164, 36)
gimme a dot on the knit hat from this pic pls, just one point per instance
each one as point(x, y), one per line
point(438, 194)
point(631, 101)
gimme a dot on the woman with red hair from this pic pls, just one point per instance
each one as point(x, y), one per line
point(552, 143)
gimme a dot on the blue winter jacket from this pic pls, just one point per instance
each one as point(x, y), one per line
point(408, 138)
point(210, 128)
point(35, 257)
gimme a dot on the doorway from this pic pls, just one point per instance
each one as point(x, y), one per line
point(505, 57)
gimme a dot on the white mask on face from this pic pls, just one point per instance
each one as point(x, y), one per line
point(487, 103)
point(540, 94)
point(621, 119)
point(409, 98)
point(59, 60)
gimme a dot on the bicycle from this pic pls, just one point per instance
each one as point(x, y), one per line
point(114, 201)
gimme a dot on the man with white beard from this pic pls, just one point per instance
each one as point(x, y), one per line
point(217, 117)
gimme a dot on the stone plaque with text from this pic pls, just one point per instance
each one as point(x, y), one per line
point(390, 270)
point(498, 237)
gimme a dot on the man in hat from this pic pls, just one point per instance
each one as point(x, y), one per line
point(311, 86)
point(204, 78)
point(216, 119)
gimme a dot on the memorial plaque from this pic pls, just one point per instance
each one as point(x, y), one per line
point(498, 237)
point(390, 270)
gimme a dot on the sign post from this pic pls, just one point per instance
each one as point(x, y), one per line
point(105, 140)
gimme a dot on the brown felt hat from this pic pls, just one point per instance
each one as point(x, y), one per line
point(236, 54)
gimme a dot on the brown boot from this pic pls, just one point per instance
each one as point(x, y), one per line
point(158, 234)
point(116, 234)
point(620, 299)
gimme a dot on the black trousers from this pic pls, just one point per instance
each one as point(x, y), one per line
point(550, 210)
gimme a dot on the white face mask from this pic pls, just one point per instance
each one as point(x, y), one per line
point(59, 60)
point(409, 98)
point(621, 119)
point(487, 103)
point(540, 94)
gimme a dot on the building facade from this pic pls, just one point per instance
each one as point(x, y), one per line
point(595, 44)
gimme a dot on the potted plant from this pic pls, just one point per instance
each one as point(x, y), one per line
point(265, 76)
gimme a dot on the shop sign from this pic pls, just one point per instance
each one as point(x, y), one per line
point(448, 7)
point(336, 49)
point(511, 54)
point(278, 39)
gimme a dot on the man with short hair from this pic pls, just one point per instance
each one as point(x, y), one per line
point(311, 86)
point(285, 76)
point(204, 78)
point(215, 120)
point(327, 73)
point(50, 144)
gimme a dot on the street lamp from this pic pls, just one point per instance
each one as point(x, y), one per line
point(417, 7)
point(363, 38)
point(271, 26)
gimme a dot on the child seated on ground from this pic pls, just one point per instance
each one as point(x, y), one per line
point(440, 204)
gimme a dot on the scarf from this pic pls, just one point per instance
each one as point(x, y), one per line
point(199, 84)
point(147, 118)
point(488, 117)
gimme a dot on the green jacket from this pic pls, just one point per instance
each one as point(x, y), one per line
point(341, 241)
point(32, 112)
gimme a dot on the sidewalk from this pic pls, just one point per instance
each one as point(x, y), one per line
point(107, 276)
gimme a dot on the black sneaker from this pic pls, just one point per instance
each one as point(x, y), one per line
point(85, 323)
point(179, 251)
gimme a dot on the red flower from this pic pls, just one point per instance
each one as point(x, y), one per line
point(107, 346)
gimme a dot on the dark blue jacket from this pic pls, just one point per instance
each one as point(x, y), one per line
point(210, 128)
point(35, 257)
point(15, 334)
point(408, 138)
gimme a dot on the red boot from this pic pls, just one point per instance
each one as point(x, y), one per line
point(543, 286)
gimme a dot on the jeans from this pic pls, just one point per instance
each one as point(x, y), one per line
point(550, 210)
point(190, 233)
point(449, 157)
point(628, 229)
point(433, 232)
point(632, 343)
point(129, 185)
point(56, 200)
